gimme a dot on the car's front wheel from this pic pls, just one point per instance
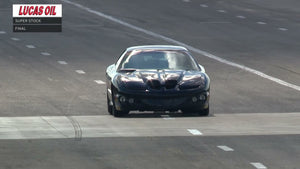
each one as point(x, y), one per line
point(204, 112)
point(109, 107)
point(118, 113)
point(112, 110)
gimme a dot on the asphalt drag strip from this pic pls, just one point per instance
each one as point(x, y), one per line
point(78, 127)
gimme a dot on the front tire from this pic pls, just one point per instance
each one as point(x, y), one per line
point(109, 107)
point(204, 112)
point(115, 112)
point(118, 113)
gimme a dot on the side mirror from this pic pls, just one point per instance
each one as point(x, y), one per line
point(202, 68)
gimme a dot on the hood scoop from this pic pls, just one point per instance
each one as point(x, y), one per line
point(160, 79)
point(154, 84)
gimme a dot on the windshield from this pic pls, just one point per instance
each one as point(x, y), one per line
point(158, 59)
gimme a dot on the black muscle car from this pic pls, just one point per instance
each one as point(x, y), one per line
point(157, 78)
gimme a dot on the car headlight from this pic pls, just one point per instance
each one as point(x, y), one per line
point(131, 82)
point(192, 81)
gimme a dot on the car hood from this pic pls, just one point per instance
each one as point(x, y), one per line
point(157, 80)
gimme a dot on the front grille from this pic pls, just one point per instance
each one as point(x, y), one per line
point(155, 84)
point(166, 102)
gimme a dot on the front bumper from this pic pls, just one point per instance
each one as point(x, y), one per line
point(145, 102)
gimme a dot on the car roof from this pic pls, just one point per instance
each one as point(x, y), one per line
point(156, 47)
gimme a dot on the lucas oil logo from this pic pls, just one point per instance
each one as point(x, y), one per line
point(37, 17)
point(37, 10)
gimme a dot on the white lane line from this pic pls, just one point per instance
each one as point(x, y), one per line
point(221, 11)
point(30, 46)
point(80, 71)
point(195, 132)
point(258, 165)
point(167, 117)
point(45, 53)
point(99, 82)
point(225, 148)
point(204, 6)
point(186, 0)
point(241, 16)
point(261, 23)
point(191, 48)
point(2, 32)
point(62, 62)
point(15, 39)
point(282, 29)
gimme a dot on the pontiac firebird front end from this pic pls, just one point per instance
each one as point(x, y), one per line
point(157, 78)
